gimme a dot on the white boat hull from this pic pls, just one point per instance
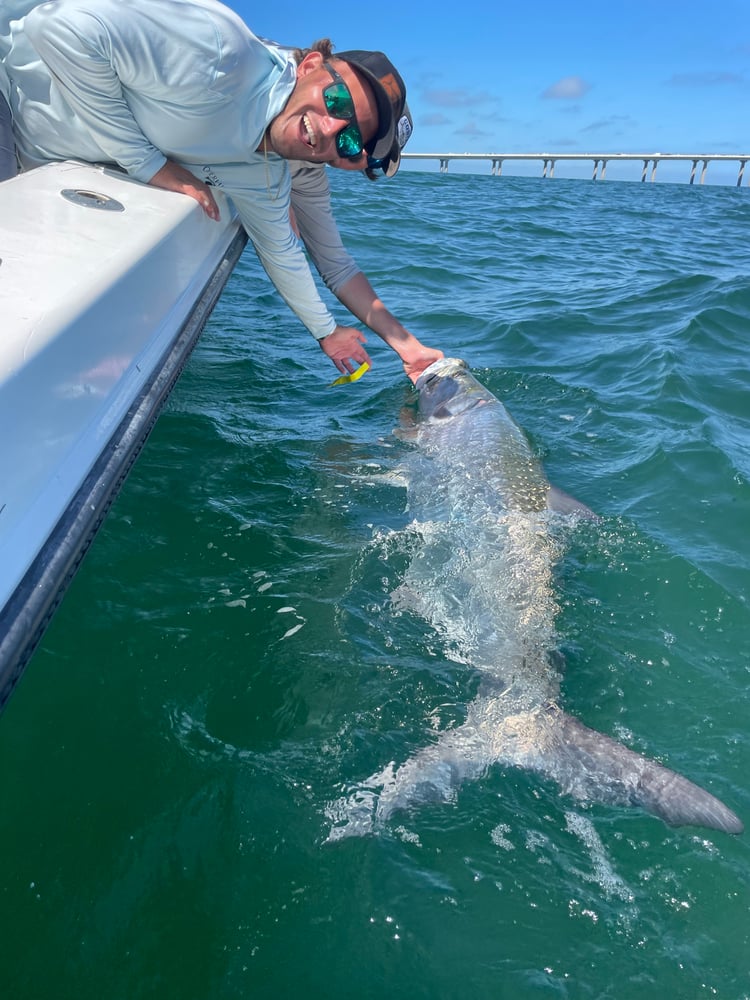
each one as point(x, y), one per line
point(105, 285)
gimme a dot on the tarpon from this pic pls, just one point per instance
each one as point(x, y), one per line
point(490, 529)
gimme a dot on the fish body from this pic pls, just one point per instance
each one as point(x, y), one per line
point(490, 530)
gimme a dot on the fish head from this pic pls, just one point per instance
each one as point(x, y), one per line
point(447, 389)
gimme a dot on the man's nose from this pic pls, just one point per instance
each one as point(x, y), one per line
point(331, 126)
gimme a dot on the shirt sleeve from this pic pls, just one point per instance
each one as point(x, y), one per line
point(311, 201)
point(79, 50)
point(260, 193)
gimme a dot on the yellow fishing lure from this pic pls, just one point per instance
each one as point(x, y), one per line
point(344, 379)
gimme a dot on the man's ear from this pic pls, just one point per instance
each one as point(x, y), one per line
point(311, 62)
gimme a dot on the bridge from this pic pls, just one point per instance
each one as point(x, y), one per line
point(599, 160)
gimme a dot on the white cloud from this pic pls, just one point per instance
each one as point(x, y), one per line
point(706, 79)
point(569, 88)
point(457, 98)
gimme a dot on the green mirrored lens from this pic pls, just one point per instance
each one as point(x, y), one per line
point(338, 101)
point(349, 142)
point(339, 104)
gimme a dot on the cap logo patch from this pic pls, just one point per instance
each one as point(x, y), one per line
point(403, 131)
point(391, 87)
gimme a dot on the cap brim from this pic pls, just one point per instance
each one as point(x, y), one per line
point(394, 161)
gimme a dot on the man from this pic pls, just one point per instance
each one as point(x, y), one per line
point(314, 222)
point(181, 95)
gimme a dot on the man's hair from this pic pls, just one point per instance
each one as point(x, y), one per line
point(323, 45)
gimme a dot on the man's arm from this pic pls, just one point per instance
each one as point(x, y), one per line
point(311, 202)
point(360, 299)
point(266, 220)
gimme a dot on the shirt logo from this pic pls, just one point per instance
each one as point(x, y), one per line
point(211, 177)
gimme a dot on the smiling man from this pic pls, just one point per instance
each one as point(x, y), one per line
point(182, 95)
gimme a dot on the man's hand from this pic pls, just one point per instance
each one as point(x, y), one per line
point(416, 362)
point(173, 177)
point(344, 348)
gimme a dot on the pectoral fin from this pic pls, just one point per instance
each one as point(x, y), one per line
point(563, 503)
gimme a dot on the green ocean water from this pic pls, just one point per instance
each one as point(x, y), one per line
point(229, 660)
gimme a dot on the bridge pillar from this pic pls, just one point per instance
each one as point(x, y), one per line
point(443, 164)
point(742, 171)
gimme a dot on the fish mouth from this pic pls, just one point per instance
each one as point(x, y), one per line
point(442, 368)
point(444, 392)
point(438, 386)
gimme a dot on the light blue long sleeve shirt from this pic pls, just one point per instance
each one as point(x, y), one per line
point(311, 201)
point(135, 82)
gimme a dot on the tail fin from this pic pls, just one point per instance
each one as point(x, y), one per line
point(609, 772)
point(585, 764)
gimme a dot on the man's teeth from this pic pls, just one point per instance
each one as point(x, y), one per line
point(311, 138)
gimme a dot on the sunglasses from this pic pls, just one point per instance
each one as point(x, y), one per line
point(340, 104)
point(373, 164)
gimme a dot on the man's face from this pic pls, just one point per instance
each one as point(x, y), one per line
point(305, 130)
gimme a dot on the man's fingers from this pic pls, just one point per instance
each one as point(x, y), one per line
point(207, 202)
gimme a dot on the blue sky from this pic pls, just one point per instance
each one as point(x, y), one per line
point(552, 76)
